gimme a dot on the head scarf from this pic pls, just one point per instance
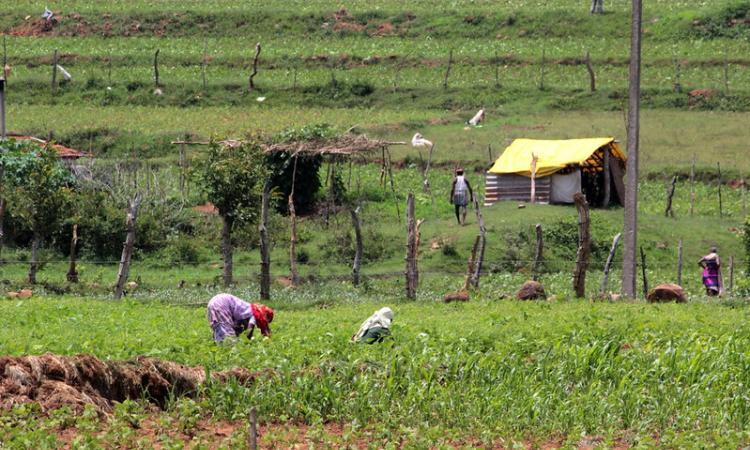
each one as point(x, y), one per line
point(263, 317)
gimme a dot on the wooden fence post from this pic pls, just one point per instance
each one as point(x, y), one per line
point(679, 262)
point(252, 432)
point(692, 186)
point(670, 193)
point(471, 263)
point(607, 180)
point(726, 72)
point(541, 77)
point(156, 69)
point(127, 248)
point(250, 82)
point(358, 246)
point(538, 252)
point(54, 72)
point(744, 197)
point(293, 230)
point(643, 273)
point(608, 264)
point(204, 63)
point(584, 245)
point(72, 274)
point(590, 69)
point(477, 272)
point(412, 275)
point(534, 159)
point(721, 207)
point(497, 70)
point(448, 69)
point(731, 274)
point(265, 247)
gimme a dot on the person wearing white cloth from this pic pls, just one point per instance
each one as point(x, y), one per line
point(461, 195)
point(376, 328)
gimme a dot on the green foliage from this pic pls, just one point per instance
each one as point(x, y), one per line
point(232, 179)
point(37, 186)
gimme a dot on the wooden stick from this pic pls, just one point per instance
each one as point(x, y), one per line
point(584, 245)
point(412, 276)
point(489, 151)
point(643, 273)
point(72, 275)
point(156, 68)
point(265, 246)
point(497, 70)
point(182, 171)
point(608, 265)
point(726, 72)
point(109, 69)
point(731, 274)
point(358, 246)
point(393, 186)
point(679, 262)
point(590, 69)
point(744, 196)
point(448, 69)
point(607, 179)
point(721, 207)
point(293, 231)
point(470, 263)
point(692, 186)
point(250, 82)
point(670, 193)
point(542, 64)
point(127, 248)
point(538, 251)
point(54, 72)
point(204, 62)
point(534, 159)
point(252, 432)
point(477, 269)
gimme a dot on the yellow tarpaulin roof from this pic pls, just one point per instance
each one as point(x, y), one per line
point(553, 155)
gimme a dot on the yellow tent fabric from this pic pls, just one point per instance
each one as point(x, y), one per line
point(553, 155)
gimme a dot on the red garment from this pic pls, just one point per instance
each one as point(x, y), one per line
point(263, 317)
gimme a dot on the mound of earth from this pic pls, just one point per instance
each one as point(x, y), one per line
point(76, 381)
point(667, 292)
point(531, 290)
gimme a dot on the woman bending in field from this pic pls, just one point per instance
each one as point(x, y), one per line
point(230, 316)
point(711, 272)
point(376, 328)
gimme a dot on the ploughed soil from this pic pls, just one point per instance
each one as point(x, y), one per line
point(76, 381)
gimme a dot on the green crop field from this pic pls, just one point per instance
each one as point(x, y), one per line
point(595, 372)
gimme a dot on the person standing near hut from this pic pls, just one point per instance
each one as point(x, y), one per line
point(230, 316)
point(711, 264)
point(461, 195)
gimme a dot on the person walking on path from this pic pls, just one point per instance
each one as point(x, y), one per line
point(461, 195)
point(711, 264)
point(230, 316)
point(376, 328)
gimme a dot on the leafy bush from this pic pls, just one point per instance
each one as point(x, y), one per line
point(339, 248)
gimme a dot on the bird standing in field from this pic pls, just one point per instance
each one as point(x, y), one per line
point(477, 119)
point(419, 141)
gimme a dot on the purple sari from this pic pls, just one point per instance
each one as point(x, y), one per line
point(711, 278)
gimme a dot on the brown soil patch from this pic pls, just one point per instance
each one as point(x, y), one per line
point(76, 381)
point(384, 29)
point(33, 28)
point(207, 208)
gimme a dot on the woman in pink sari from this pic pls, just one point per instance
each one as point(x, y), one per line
point(711, 264)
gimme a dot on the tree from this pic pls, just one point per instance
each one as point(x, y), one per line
point(597, 6)
point(630, 229)
point(233, 179)
point(38, 189)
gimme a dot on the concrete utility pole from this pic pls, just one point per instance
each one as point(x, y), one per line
point(630, 235)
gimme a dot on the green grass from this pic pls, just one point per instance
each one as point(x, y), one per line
point(490, 369)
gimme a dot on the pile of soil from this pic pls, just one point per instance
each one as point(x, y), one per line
point(76, 381)
point(531, 290)
point(667, 292)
